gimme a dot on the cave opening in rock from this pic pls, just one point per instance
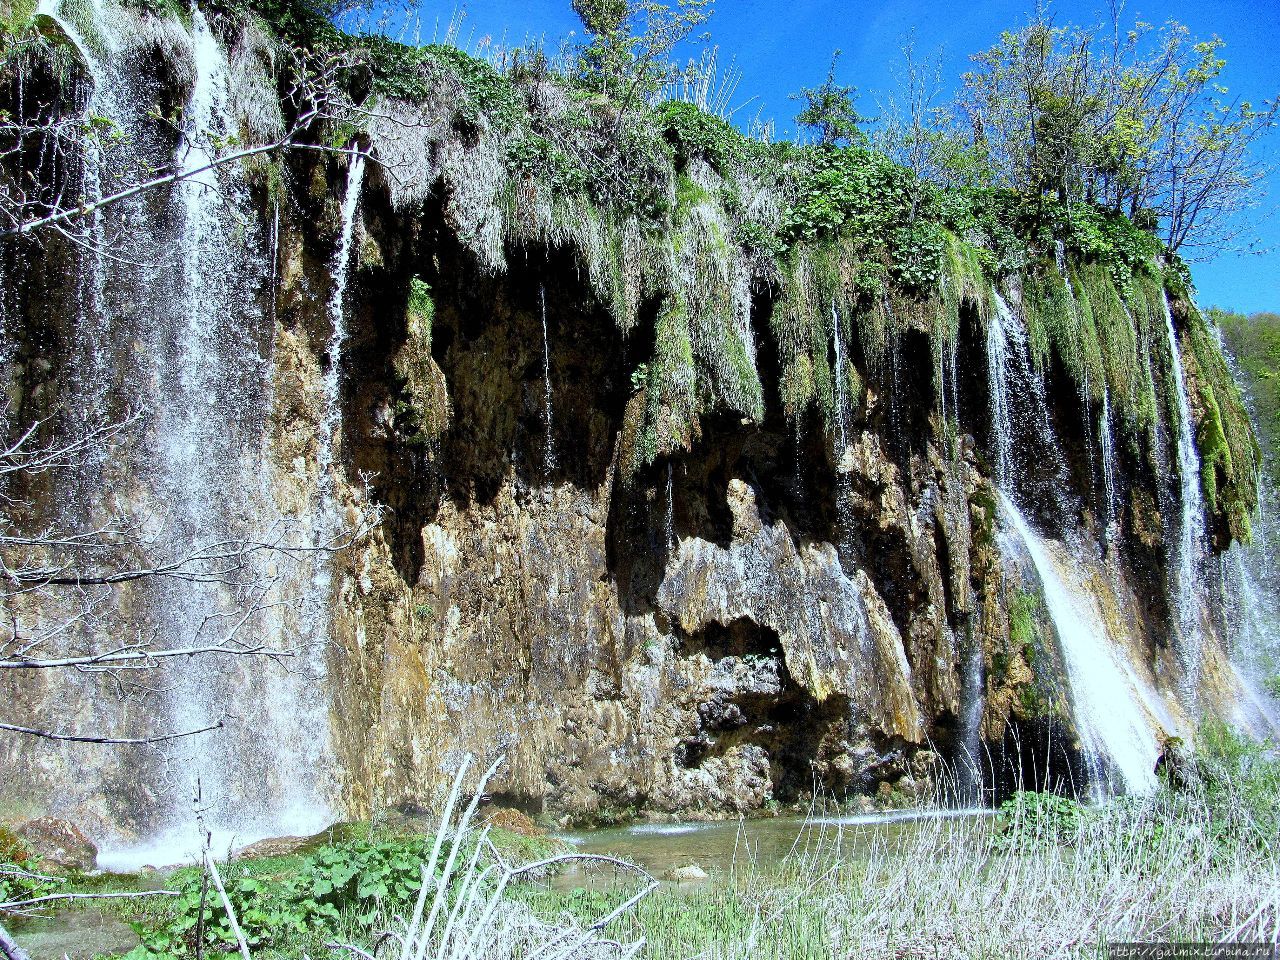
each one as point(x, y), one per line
point(1040, 754)
point(754, 700)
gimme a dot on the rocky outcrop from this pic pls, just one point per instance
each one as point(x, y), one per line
point(57, 845)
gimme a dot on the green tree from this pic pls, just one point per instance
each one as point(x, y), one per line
point(830, 111)
point(917, 129)
point(630, 43)
point(1136, 120)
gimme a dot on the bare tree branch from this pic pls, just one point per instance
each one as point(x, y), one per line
point(9, 947)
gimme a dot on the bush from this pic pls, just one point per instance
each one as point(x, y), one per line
point(279, 900)
point(19, 870)
point(1030, 819)
point(1240, 788)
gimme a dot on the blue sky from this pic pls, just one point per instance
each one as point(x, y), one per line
point(781, 46)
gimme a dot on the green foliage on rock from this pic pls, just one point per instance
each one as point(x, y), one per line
point(681, 221)
point(20, 874)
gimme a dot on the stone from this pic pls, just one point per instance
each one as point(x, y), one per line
point(60, 845)
point(690, 873)
point(271, 847)
point(513, 821)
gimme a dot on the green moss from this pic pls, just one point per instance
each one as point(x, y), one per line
point(421, 308)
point(688, 195)
point(1027, 638)
point(1231, 458)
point(671, 396)
point(1024, 627)
point(422, 412)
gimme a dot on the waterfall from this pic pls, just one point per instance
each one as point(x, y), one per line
point(1115, 736)
point(842, 402)
point(1107, 698)
point(973, 694)
point(1251, 582)
point(170, 322)
point(274, 248)
point(207, 379)
point(331, 428)
point(999, 361)
point(1187, 554)
point(549, 450)
point(1106, 444)
point(671, 509)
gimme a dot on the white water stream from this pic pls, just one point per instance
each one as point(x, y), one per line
point(1106, 443)
point(330, 435)
point(1113, 709)
point(171, 324)
point(1111, 706)
point(842, 402)
point(549, 447)
point(1189, 547)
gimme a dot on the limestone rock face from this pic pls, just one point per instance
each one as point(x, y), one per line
point(675, 592)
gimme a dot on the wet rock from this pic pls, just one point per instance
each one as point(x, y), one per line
point(1177, 764)
point(60, 845)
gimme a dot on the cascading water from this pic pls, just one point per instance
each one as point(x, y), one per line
point(170, 325)
point(670, 524)
point(842, 402)
point(1116, 737)
point(330, 433)
point(1188, 556)
point(999, 364)
point(973, 699)
point(1108, 702)
point(1251, 582)
point(549, 447)
point(264, 774)
point(274, 247)
point(1106, 444)
point(844, 484)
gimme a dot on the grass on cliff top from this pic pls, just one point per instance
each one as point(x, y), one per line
point(664, 204)
point(664, 201)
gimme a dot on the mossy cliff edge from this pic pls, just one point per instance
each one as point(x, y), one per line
point(685, 438)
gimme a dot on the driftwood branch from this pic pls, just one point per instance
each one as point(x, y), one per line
point(9, 947)
point(130, 741)
point(54, 897)
point(212, 869)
